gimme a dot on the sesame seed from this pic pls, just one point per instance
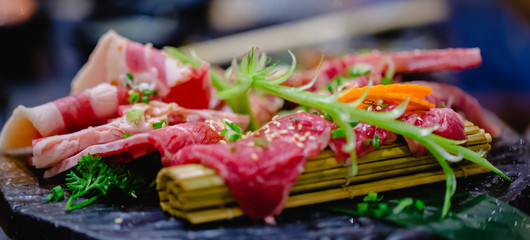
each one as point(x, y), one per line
point(302, 138)
point(300, 111)
point(274, 118)
point(419, 119)
point(275, 135)
point(118, 220)
point(284, 131)
point(268, 130)
point(378, 102)
point(312, 137)
point(277, 124)
point(250, 144)
point(290, 128)
point(369, 108)
point(307, 134)
point(300, 126)
point(299, 144)
point(222, 141)
point(378, 108)
point(254, 156)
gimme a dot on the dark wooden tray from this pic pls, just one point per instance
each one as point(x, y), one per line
point(25, 215)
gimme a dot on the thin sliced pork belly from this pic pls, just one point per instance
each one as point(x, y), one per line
point(404, 62)
point(115, 56)
point(89, 108)
point(51, 150)
point(167, 140)
point(458, 99)
point(261, 169)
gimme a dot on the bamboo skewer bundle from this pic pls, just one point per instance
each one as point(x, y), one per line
point(198, 194)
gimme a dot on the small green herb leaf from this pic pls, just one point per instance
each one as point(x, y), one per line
point(160, 124)
point(134, 98)
point(57, 194)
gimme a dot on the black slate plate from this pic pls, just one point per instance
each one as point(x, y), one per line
point(24, 214)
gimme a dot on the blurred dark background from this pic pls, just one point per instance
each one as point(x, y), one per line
point(44, 43)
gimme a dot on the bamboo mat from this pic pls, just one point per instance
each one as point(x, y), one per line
point(196, 193)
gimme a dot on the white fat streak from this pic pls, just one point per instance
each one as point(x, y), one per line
point(104, 100)
point(116, 63)
point(175, 72)
point(46, 118)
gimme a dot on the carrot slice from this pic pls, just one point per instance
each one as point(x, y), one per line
point(395, 93)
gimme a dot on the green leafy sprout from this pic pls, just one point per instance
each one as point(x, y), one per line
point(254, 72)
point(93, 177)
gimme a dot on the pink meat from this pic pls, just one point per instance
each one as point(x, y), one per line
point(450, 125)
point(404, 62)
point(114, 57)
point(260, 176)
point(459, 100)
point(167, 140)
point(363, 133)
point(51, 150)
point(89, 108)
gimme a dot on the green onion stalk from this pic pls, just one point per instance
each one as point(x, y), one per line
point(254, 73)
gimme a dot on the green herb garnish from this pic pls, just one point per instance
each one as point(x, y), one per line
point(256, 75)
point(232, 131)
point(129, 76)
point(160, 124)
point(260, 142)
point(377, 144)
point(126, 135)
point(134, 98)
point(360, 69)
point(337, 133)
point(57, 194)
point(93, 178)
point(134, 115)
point(372, 197)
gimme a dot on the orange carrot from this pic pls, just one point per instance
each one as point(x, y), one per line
point(393, 93)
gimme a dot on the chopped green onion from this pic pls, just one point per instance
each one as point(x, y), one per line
point(126, 135)
point(372, 197)
point(402, 204)
point(327, 116)
point(362, 207)
point(384, 105)
point(353, 122)
point(419, 205)
point(234, 137)
point(129, 76)
point(386, 81)
point(360, 69)
point(145, 99)
point(367, 142)
point(160, 124)
point(134, 98)
point(223, 132)
point(149, 92)
point(234, 126)
point(134, 115)
point(57, 194)
point(337, 133)
point(316, 113)
point(377, 144)
point(260, 142)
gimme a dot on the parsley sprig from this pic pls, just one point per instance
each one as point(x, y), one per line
point(93, 178)
point(252, 72)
